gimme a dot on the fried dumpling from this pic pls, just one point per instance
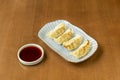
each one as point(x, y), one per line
point(59, 29)
point(82, 50)
point(65, 36)
point(73, 43)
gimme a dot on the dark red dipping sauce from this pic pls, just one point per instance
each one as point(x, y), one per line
point(30, 53)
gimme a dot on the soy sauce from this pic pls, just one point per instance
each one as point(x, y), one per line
point(30, 53)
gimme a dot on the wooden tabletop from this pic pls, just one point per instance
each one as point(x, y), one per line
point(20, 21)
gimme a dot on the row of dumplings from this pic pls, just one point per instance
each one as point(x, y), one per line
point(64, 36)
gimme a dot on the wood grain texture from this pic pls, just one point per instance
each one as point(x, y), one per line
point(20, 21)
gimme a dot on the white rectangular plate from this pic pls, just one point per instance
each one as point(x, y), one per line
point(59, 49)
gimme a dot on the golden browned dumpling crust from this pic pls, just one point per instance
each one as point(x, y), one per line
point(73, 43)
point(59, 29)
point(82, 50)
point(65, 36)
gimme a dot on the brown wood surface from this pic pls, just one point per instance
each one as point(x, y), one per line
point(20, 21)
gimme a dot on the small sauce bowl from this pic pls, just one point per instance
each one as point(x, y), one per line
point(30, 54)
